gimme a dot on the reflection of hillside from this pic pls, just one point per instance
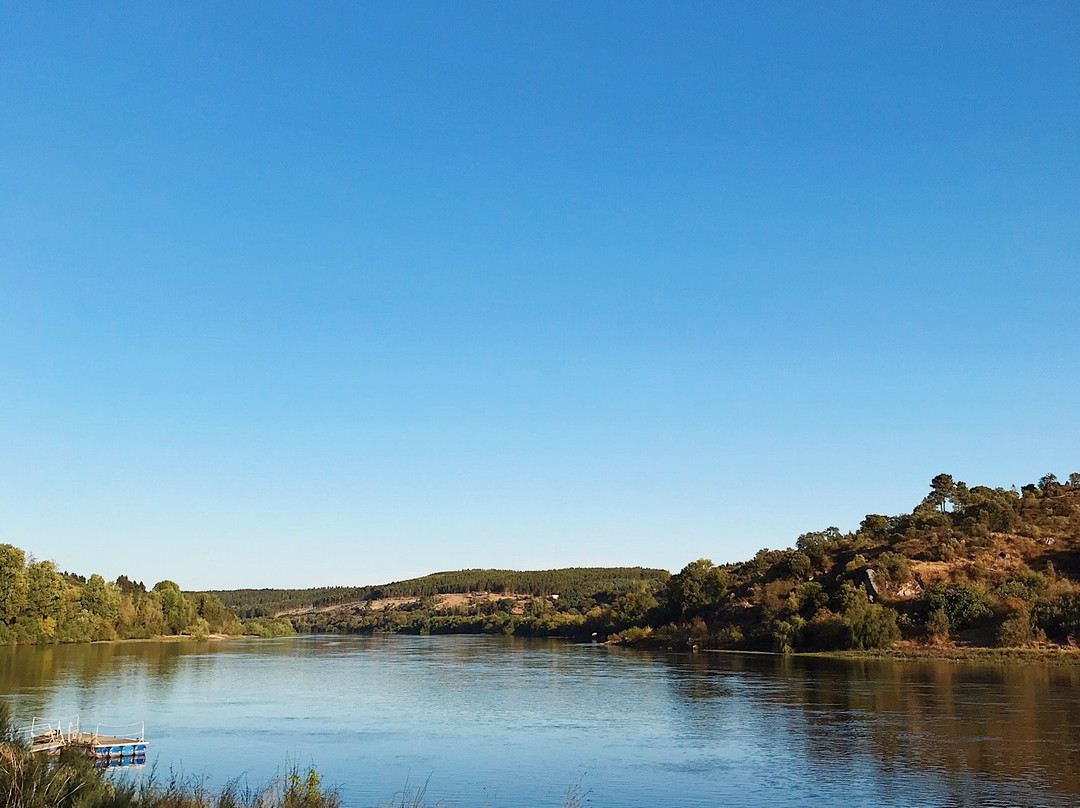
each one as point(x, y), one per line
point(976, 728)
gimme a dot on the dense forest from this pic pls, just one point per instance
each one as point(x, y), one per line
point(572, 584)
point(968, 565)
point(39, 604)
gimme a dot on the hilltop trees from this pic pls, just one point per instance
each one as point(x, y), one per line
point(820, 545)
point(942, 490)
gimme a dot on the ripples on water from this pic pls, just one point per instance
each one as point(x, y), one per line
point(512, 723)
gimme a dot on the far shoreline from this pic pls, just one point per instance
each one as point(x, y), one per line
point(1061, 656)
point(1058, 656)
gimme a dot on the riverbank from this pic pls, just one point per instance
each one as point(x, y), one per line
point(262, 627)
point(1058, 655)
point(166, 638)
point(1048, 654)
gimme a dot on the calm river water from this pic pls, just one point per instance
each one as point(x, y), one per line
point(509, 723)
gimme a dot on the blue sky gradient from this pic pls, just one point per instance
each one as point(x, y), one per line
point(298, 294)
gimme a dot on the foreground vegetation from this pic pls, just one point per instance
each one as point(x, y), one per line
point(34, 781)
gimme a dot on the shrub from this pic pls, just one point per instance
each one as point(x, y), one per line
point(893, 568)
point(810, 597)
point(266, 627)
point(827, 631)
point(1016, 630)
point(698, 631)
point(1059, 616)
point(965, 606)
point(1026, 585)
point(937, 625)
point(856, 563)
point(306, 792)
point(871, 626)
point(786, 634)
point(631, 635)
point(729, 637)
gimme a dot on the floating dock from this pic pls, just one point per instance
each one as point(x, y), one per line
point(101, 746)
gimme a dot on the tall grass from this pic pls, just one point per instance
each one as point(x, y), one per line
point(33, 781)
point(29, 780)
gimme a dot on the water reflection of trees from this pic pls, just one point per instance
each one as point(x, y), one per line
point(32, 674)
point(977, 726)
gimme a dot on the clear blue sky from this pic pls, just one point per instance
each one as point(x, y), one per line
point(322, 293)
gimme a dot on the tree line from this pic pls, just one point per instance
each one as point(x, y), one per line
point(40, 604)
point(969, 564)
point(570, 584)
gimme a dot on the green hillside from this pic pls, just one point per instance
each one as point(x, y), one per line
point(571, 584)
point(973, 566)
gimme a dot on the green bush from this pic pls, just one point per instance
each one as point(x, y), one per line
point(827, 631)
point(810, 597)
point(893, 568)
point(869, 625)
point(1016, 630)
point(1026, 585)
point(964, 606)
point(1059, 616)
point(787, 634)
point(266, 627)
point(937, 625)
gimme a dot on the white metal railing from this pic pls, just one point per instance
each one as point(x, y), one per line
point(118, 730)
point(39, 726)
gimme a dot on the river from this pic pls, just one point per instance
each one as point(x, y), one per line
point(492, 722)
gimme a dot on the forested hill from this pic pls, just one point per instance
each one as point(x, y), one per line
point(969, 565)
point(571, 584)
